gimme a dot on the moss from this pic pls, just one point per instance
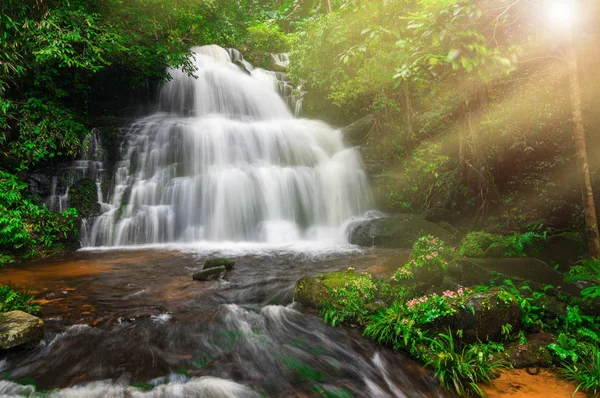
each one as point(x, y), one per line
point(83, 196)
point(218, 262)
point(314, 291)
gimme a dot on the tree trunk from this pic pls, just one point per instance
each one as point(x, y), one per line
point(409, 123)
point(329, 6)
point(477, 161)
point(589, 208)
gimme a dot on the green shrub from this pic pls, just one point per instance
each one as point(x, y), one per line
point(460, 370)
point(586, 374)
point(263, 39)
point(476, 243)
point(27, 228)
point(587, 270)
point(349, 301)
point(428, 260)
point(11, 300)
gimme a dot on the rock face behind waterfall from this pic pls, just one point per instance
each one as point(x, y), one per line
point(225, 160)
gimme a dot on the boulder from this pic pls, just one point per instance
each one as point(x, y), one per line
point(20, 329)
point(217, 262)
point(314, 291)
point(358, 131)
point(475, 271)
point(533, 354)
point(482, 316)
point(83, 196)
point(398, 231)
point(211, 274)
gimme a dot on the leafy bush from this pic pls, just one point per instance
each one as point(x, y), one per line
point(26, 228)
point(516, 245)
point(263, 39)
point(404, 323)
point(11, 300)
point(460, 370)
point(587, 270)
point(586, 375)
point(476, 243)
point(428, 257)
point(349, 301)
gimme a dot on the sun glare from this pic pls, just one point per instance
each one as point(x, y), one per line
point(561, 13)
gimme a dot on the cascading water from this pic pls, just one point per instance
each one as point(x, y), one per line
point(225, 160)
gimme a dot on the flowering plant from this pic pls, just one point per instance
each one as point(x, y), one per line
point(428, 253)
point(349, 301)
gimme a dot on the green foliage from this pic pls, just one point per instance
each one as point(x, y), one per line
point(349, 301)
point(587, 270)
point(83, 196)
point(12, 300)
point(461, 370)
point(516, 245)
point(263, 39)
point(585, 375)
point(429, 254)
point(27, 228)
point(476, 243)
point(404, 324)
point(408, 325)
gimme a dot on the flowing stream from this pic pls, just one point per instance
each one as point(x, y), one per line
point(120, 321)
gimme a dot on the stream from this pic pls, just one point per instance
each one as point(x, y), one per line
point(128, 323)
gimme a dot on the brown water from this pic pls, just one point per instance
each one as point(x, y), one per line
point(120, 317)
point(520, 384)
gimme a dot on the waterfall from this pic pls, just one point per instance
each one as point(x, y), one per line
point(224, 159)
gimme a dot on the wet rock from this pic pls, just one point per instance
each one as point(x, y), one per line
point(211, 274)
point(399, 231)
point(497, 250)
point(482, 316)
point(20, 329)
point(83, 196)
point(56, 295)
point(533, 354)
point(314, 291)
point(217, 262)
point(40, 183)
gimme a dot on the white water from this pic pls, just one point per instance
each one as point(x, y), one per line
point(225, 160)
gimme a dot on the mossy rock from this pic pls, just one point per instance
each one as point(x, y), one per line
point(314, 291)
point(479, 271)
point(20, 329)
point(399, 231)
point(108, 188)
point(482, 316)
point(534, 354)
point(211, 274)
point(83, 196)
point(218, 262)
